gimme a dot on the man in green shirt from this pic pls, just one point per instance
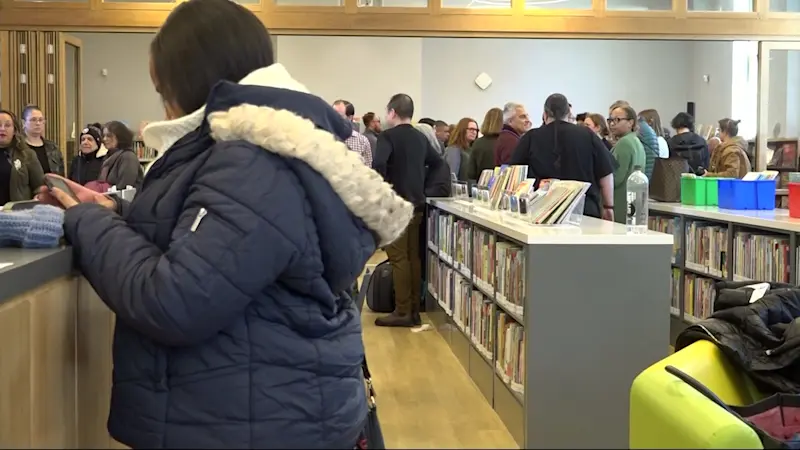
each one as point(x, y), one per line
point(628, 151)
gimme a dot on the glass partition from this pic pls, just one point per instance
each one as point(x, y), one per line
point(790, 6)
point(309, 2)
point(558, 4)
point(397, 3)
point(779, 106)
point(52, 1)
point(138, 1)
point(473, 4)
point(720, 5)
point(73, 91)
point(639, 5)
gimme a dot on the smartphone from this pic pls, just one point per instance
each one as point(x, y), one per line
point(54, 182)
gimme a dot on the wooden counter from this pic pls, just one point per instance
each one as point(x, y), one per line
point(55, 366)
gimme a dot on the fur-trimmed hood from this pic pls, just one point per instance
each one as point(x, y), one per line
point(270, 109)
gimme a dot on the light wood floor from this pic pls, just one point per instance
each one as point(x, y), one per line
point(425, 398)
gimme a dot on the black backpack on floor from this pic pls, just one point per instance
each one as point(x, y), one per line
point(380, 289)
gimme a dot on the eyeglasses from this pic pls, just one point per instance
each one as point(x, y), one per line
point(36, 120)
point(616, 120)
point(472, 129)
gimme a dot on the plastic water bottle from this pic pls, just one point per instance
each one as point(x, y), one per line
point(638, 211)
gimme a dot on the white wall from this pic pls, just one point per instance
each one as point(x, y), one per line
point(126, 93)
point(366, 71)
point(438, 74)
point(712, 95)
point(592, 74)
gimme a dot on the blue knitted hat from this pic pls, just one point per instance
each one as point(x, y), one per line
point(39, 227)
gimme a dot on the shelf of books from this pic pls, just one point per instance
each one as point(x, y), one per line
point(722, 245)
point(486, 273)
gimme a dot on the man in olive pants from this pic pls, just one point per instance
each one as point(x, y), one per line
point(406, 271)
point(402, 155)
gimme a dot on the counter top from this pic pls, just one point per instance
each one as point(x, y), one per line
point(30, 269)
point(776, 219)
point(591, 231)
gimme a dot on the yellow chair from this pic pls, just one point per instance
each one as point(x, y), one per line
point(668, 413)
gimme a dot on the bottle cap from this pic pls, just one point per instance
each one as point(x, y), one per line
point(637, 167)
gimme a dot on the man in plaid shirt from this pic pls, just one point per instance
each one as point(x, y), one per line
point(357, 142)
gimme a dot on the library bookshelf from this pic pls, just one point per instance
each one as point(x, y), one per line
point(712, 244)
point(552, 323)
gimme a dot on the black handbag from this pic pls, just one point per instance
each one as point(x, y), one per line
point(372, 432)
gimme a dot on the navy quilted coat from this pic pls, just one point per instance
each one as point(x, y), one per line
point(227, 275)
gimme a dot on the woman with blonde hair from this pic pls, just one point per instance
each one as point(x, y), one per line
point(654, 120)
point(457, 152)
point(482, 154)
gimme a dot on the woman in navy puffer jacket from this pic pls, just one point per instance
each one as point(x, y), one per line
point(227, 272)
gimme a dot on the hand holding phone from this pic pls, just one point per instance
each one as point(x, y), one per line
point(56, 182)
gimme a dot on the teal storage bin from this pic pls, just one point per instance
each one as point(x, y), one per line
point(693, 191)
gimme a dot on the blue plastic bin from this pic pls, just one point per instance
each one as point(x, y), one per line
point(765, 194)
point(740, 194)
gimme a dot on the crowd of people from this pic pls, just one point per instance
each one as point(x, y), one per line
point(229, 274)
point(567, 146)
point(105, 156)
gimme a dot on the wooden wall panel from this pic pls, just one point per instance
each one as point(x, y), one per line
point(4, 74)
point(51, 84)
point(32, 77)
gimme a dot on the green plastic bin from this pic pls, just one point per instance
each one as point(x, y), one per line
point(693, 191)
point(712, 191)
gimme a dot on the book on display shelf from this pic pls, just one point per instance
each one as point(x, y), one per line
point(761, 257)
point(510, 277)
point(675, 291)
point(505, 181)
point(432, 222)
point(668, 225)
point(698, 300)
point(510, 363)
point(483, 259)
point(556, 206)
point(449, 278)
point(707, 248)
point(462, 240)
point(434, 274)
point(481, 323)
point(462, 297)
point(445, 241)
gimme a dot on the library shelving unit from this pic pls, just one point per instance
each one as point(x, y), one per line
point(783, 157)
point(552, 323)
point(713, 244)
point(144, 153)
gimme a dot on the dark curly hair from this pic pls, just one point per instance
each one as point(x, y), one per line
point(16, 140)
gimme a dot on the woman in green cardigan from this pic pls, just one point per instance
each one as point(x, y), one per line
point(629, 153)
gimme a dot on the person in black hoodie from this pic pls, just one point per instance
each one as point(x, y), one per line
point(687, 144)
point(85, 166)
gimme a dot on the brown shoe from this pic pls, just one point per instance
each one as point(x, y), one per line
point(395, 320)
